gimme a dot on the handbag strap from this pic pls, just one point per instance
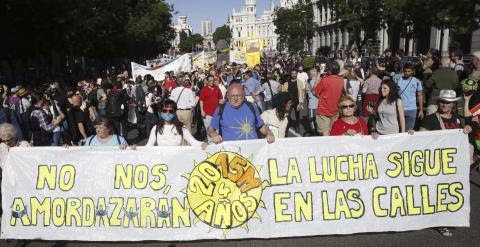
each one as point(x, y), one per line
point(408, 84)
point(178, 98)
point(442, 125)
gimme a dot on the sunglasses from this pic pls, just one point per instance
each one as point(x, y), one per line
point(170, 111)
point(347, 106)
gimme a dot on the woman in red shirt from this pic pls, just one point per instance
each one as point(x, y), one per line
point(348, 123)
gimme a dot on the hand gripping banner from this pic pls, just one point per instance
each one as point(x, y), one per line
point(247, 189)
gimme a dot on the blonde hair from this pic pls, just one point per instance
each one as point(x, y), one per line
point(346, 98)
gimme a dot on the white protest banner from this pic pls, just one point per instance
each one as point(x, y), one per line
point(180, 64)
point(237, 57)
point(245, 189)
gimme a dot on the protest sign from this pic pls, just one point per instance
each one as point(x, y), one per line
point(180, 64)
point(253, 54)
point(244, 189)
point(237, 57)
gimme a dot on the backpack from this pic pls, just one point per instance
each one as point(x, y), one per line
point(140, 99)
point(115, 104)
point(93, 98)
point(252, 109)
point(26, 124)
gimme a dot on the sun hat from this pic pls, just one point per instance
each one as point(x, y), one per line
point(22, 92)
point(448, 95)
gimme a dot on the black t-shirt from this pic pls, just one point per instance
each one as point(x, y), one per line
point(62, 102)
point(431, 122)
point(75, 116)
point(293, 91)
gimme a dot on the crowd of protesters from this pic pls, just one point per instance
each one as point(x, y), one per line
point(352, 96)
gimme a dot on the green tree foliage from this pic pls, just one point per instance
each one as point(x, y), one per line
point(358, 15)
point(99, 29)
point(293, 26)
point(222, 32)
point(460, 16)
point(191, 43)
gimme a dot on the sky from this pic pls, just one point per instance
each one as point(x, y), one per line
point(215, 10)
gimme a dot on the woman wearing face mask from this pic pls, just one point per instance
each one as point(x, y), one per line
point(169, 131)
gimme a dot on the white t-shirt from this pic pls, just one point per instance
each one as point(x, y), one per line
point(278, 128)
point(353, 91)
point(184, 97)
point(304, 78)
point(170, 137)
point(149, 102)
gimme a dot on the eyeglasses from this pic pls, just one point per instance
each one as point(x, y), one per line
point(343, 107)
point(236, 96)
point(170, 111)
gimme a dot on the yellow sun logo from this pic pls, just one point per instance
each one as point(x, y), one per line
point(243, 128)
point(225, 190)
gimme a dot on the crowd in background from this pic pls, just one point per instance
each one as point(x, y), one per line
point(390, 95)
point(352, 96)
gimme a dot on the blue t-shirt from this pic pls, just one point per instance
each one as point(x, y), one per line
point(92, 141)
point(252, 85)
point(408, 89)
point(237, 124)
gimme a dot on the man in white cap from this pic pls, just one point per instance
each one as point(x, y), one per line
point(475, 75)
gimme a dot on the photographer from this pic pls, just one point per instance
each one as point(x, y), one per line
point(41, 124)
point(52, 108)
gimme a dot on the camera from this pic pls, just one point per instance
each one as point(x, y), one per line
point(50, 93)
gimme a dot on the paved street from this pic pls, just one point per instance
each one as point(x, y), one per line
point(428, 237)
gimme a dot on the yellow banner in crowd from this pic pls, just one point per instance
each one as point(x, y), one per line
point(245, 189)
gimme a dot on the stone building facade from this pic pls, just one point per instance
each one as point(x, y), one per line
point(244, 25)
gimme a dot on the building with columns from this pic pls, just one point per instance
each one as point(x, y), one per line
point(244, 24)
point(329, 33)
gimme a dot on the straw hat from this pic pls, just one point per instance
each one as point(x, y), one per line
point(22, 92)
